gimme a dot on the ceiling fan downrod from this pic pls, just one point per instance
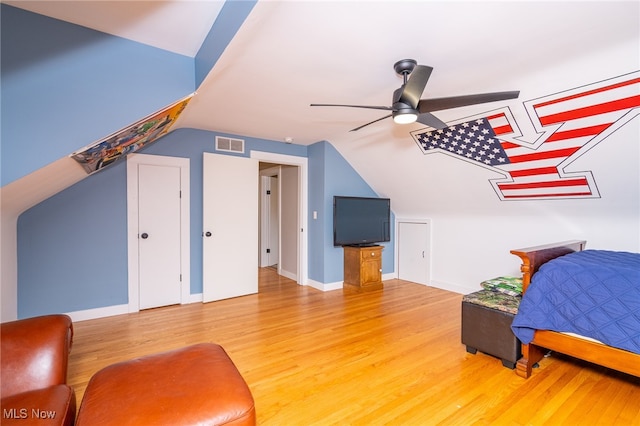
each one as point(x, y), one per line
point(404, 67)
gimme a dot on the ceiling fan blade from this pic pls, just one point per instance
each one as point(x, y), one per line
point(437, 104)
point(415, 85)
point(431, 121)
point(371, 122)
point(385, 108)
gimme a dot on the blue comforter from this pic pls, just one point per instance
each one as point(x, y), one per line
point(594, 293)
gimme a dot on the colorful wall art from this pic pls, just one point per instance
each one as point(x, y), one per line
point(130, 139)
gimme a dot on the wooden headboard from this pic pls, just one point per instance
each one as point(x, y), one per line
point(533, 257)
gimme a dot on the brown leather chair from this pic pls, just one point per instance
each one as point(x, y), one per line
point(34, 355)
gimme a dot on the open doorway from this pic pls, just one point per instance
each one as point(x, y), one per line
point(279, 225)
point(298, 166)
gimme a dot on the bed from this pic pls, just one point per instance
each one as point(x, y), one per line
point(593, 351)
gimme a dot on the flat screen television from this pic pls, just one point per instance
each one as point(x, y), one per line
point(360, 221)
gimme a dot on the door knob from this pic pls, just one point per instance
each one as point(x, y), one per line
point(144, 236)
point(207, 234)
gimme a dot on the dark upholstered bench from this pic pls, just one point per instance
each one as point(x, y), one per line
point(486, 325)
point(196, 385)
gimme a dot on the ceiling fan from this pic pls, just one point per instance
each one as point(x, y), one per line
point(407, 107)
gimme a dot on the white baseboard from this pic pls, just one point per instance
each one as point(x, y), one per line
point(453, 287)
point(107, 311)
point(325, 287)
point(340, 284)
point(110, 311)
point(289, 275)
point(195, 298)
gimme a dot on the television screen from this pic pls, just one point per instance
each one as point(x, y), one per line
point(360, 220)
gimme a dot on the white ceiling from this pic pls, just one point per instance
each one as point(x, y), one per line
point(156, 23)
point(289, 54)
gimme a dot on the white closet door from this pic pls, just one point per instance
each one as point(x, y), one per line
point(230, 226)
point(159, 235)
point(414, 252)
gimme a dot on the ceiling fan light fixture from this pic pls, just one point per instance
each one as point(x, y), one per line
point(405, 116)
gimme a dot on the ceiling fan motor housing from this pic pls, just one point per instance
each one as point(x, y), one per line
point(402, 113)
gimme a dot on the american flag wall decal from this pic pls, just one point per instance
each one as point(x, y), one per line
point(567, 124)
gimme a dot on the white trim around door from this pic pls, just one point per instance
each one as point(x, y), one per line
point(301, 162)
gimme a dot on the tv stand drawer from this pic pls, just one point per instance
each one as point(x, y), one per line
point(369, 253)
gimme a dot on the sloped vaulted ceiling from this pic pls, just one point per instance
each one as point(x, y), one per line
point(289, 54)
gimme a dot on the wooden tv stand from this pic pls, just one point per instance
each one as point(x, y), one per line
point(363, 266)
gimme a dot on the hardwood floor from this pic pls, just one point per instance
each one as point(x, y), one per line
point(390, 356)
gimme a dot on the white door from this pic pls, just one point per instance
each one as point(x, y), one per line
point(159, 235)
point(230, 226)
point(414, 252)
point(269, 221)
point(274, 221)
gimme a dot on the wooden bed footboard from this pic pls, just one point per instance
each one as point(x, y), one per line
point(532, 258)
point(543, 340)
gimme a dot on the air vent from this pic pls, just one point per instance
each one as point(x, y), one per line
point(229, 144)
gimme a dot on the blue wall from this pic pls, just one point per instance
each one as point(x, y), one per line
point(317, 235)
point(72, 248)
point(64, 87)
point(229, 20)
point(330, 174)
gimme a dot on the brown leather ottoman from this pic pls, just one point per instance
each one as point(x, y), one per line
point(486, 325)
point(196, 385)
